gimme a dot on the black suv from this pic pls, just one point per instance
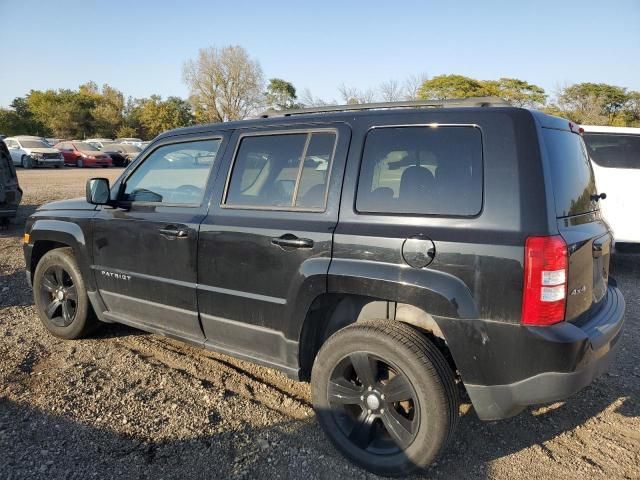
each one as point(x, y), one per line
point(10, 191)
point(394, 255)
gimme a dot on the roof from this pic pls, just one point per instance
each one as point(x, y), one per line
point(343, 112)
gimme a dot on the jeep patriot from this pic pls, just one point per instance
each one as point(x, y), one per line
point(394, 255)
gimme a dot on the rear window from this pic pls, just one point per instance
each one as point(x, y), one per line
point(571, 173)
point(421, 170)
point(614, 150)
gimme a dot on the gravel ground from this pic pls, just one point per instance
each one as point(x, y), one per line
point(127, 404)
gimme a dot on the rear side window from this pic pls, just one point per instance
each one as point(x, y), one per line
point(282, 171)
point(614, 150)
point(571, 173)
point(421, 170)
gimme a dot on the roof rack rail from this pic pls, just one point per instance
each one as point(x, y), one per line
point(457, 102)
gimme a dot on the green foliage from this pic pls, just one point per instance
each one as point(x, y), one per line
point(153, 115)
point(450, 86)
point(596, 103)
point(126, 131)
point(19, 120)
point(515, 91)
point(280, 95)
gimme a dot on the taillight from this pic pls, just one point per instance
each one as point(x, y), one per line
point(545, 280)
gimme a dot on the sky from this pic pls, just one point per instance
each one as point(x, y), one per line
point(139, 46)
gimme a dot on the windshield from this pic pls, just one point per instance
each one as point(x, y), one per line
point(571, 173)
point(130, 148)
point(34, 144)
point(86, 147)
point(614, 150)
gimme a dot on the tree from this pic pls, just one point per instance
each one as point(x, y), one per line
point(280, 95)
point(450, 86)
point(593, 102)
point(126, 131)
point(412, 85)
point(153, 115)
point(391, 91)
point(108, 114)
point(517, 92)
point(308, 100)
point(19, 120)
point(354, 96)
point(224, 84)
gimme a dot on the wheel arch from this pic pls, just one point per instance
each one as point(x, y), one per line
point(332, 312)
point(47, 235)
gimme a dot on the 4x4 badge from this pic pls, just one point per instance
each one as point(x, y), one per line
point(577, 291)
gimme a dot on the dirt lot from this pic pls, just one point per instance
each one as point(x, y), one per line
point(126, 404)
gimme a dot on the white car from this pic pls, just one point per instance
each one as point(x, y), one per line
point(130, 141)
point(615, 156)
point(28, 152)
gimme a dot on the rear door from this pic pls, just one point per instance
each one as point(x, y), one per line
point(579, 220)
point(616, 164)
point(265, 246)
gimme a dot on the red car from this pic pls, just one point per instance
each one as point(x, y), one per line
point(82, 154)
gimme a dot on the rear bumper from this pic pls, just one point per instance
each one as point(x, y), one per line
point(548, 363)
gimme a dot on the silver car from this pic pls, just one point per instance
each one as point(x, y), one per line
point(29, 152)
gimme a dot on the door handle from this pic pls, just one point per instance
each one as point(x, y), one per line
point(172, 231)
point(289, 240)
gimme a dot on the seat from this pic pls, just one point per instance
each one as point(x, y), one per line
point(417, 188)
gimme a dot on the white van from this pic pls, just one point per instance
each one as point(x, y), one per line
point(615, 155)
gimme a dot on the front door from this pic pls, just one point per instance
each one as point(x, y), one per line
point(265, 247)
point(145, 252)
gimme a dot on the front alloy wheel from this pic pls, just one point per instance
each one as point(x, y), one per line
point(62, 296)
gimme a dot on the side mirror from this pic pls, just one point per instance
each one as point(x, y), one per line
point(97, 191)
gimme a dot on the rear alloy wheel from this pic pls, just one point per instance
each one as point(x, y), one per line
point(385, 396)
point(79, 163)
point(26, 162)
point(60, 295)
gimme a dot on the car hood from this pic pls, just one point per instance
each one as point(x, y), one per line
point(90, 153)
point(41, 150)
point(72, 204)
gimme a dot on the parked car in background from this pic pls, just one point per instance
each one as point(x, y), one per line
point(615, 155)
point(29, 151)
point(82, 154)
point(132, 141)
point(122, 154)
point(10, 191)
point(99, 143)
point(53, 141)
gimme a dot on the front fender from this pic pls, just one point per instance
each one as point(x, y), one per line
point(66, 233)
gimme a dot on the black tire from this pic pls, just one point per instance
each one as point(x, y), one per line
point(344, 403)
point(26, 162)
point(69, 316)
point(57, 166)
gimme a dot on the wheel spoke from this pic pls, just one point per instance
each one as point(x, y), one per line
point(362, 432)
point(72, 293)
point(50, 310)
point(66, 314)
point(343, 392)
point(58, 274)
point(364, 368)
point(48, 284)
point(400, 428)
point(398, 389)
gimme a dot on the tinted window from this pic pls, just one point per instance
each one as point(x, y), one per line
point(614, 150)
point(286, 170)
point(421, 170)
point(173, 174)
point(571, 173)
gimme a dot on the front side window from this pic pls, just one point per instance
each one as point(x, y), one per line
point(422, 170)
point(285, 171)
point(174, 174)
point(614, 150)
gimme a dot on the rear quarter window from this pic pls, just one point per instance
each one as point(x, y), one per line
point(614, 150)
point(571, 173)
point(421, 170)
